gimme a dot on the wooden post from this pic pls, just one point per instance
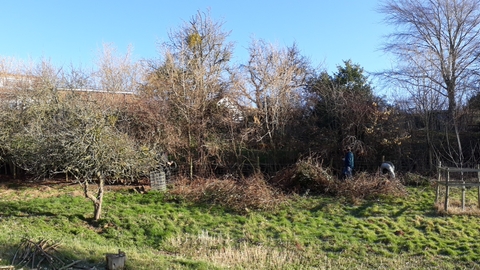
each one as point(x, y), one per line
point(116, 261)
point(478, 193)
point(447, 190)
point(439, 169)
point(463, 192)
point(461, 183)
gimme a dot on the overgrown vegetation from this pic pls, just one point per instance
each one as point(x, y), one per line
point(258, 148)
point(299, 232)
point(211, 117)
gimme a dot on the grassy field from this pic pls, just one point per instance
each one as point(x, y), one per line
point(318, 232)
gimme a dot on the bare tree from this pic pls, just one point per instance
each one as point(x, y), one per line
point(274, 83)
point(188, 83)
point(76, 78)
point(116, 72)
point(421, 102)
point(443, 33)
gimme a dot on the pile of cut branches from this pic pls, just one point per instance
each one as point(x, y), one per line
point(253, 193)
point(368, 186)
point(306, 176)
point(39, 255)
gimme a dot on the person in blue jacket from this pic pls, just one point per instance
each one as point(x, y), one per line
point(348, 161)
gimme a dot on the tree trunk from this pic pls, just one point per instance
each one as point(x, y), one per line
point(459, 144)
point(452, 114)
point(97, 200)
point(430, 145)
point(97, 209)
point(190, 154)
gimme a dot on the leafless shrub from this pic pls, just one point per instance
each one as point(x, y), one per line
point(253, 193)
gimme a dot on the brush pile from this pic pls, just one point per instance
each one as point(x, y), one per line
point(308, 177)
point(369, 186)
point(239, 195)
point(39, 255)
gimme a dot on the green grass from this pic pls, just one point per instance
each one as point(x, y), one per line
point(307, 233)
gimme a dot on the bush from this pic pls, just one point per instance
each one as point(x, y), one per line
point(412, 179)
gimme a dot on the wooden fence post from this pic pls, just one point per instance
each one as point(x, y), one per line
point(447, 190)
point(439, 169)
point(463, 192)
point(478, 192)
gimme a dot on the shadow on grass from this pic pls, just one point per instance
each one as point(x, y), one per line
point(379, 208)
point(394, 212)
point(17, 209)
point(362, 210)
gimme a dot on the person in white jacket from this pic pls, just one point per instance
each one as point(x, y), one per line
point(388, 168)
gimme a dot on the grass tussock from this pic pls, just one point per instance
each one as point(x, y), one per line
point(225, 252)
point(470, 206)
point(455, 208)
point(241, 196)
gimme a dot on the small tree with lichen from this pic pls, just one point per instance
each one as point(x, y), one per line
point(98, 153)
point(51, 133)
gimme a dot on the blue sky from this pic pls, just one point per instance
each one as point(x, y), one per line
point(72, 32)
